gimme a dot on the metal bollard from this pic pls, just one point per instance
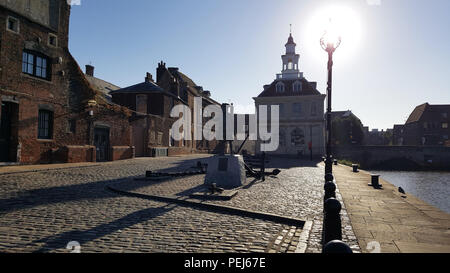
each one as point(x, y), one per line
point(337, 246)
point(375, 181)
point(332, 227)
point(355, 168)
point(329, 177)
point(335, 162)
point(330, 190)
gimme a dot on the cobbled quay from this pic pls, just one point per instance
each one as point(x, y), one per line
point(44, 210)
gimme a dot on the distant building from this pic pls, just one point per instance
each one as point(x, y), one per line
point(151, 103)
point(301, 107)
point(428, 125)
point(376, 137)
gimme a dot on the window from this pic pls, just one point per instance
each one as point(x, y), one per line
point(52, 40)
point(36, 65)
point(12, 24)
point(444, 125)
point(297, 86)
point(141, 104)
point(444, 115)
point(281, 105)
point(425, 125)
point(45, 124)
point(313, 109)
point(297, 108)
point(280, 87)
point(72, 126)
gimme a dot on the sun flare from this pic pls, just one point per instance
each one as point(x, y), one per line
point(336, 21)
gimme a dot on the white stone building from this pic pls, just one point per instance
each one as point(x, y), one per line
point(302, 123)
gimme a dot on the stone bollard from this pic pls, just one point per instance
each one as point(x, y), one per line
point(336, 247)
point(330, 190)
point(375, 181)
point(332, 221)
point(329, 177)
point(355, 168)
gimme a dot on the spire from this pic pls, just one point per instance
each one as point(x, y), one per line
point(290, 39)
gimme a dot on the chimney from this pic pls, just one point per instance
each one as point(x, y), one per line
point(160, 71)
point(149, 78)
point(90, 70)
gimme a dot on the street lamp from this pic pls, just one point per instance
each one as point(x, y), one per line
point(330, 41)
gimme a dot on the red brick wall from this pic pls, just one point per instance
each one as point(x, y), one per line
point(66, 94)
point(122, 152)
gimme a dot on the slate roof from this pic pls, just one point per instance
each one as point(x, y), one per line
point(144, 87)
point(308, 89)
point(428, 112)
point(191, 85)
point(103, 86)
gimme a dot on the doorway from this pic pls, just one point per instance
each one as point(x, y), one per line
point(101, 143)
point(8, 117)
point(139, 134)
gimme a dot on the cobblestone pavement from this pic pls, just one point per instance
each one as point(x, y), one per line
point(45, 210)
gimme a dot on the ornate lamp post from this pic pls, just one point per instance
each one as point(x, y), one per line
point(329, 43)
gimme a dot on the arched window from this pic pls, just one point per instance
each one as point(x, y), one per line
point(297, 86)
point(280, 87)
point(297, 137)
point(290, 64)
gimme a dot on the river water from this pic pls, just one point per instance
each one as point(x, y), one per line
point(431, 187)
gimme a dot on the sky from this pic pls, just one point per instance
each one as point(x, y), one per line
point(394, 54)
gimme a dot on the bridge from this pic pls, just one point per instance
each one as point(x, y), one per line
point(396, 157)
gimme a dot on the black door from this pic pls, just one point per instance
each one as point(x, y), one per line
point(101, 142)
point(5, 132)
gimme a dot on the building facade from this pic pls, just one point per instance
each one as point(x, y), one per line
point(49, 110)
point(428, 125)
point(151, 103)
point(301, 108)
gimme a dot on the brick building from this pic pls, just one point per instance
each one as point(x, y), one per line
point(50, 112)
point(428, 125)
point(151, 103)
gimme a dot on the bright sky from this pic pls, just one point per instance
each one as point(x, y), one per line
point(394, 54)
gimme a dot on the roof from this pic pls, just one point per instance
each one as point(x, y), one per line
point(427, 111)
point(290, 40)
point(339, 114)
point(191, 85)
point(103, 86)
point(144, 87)
point(417, 113)
point(308, 89)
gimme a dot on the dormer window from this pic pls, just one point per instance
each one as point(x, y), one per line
point(297, 86)
point(280, 87)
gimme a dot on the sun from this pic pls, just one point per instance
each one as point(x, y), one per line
point(343, 21)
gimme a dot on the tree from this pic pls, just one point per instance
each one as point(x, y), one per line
point(347, 131)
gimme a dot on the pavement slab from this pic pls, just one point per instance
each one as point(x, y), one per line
point(399, 223)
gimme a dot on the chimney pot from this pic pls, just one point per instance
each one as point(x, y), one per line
point(90, 70)
point(149, 78)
